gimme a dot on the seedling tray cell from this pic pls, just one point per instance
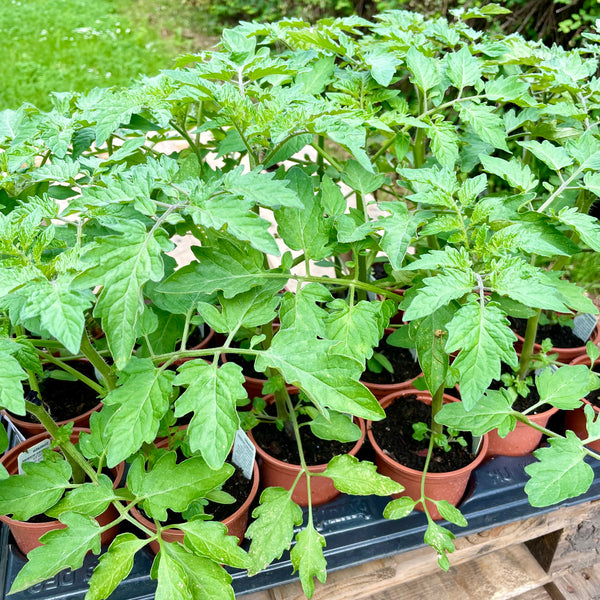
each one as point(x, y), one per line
point(354, 528)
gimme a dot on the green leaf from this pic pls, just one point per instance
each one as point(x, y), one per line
point(332, 198)
point(173, 486)
point(450, 513)
point(301, 311)
point(524, 283)
point(212, 394)
point(493, 411)
point(142, 399)
point(399, 508)
point(185, 576)
point(439, 291)
point(60, 309)
point(40, 487)
point(261, 188)
point(463, 69)
point(114, 565)
point(272, 530)
point(335, 427)
point(441, 540)
point(361, 180)
point(304, 228)
point(228, 268)
point(586, 226)
point(122, 264)
point(444, 142)
point(11, 388)
point(359, 477)
point(536, 236)
point(3, 439)
point(62, 549)
point(555, 157)
point(316, 78)
point(307, 558)
point(482, 334)
point(236, 216)
point(357, 328)
point(399, 230)
point(424, 70)
point(383, 65)
point(253, 308)
point(560, 472)
point(565, 387)
point(430, 337)
point(210, 539)
point(592, 422)
point(514, 172)
point(486, 123)
point(330, 380)
point(88, 498)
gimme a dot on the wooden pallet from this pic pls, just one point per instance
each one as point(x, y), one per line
point(553, 556)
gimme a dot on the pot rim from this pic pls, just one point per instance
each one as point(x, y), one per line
point(118, 472)
point(313, 468)
point(423, 396)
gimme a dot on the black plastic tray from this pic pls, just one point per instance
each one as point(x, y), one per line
point(353, 527)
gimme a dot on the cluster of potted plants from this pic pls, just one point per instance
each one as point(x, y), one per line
point(464, 165)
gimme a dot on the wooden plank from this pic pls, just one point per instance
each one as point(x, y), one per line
point(501, 575)
point(264, 595)
point(581, 584)
point(537, 594)
point(363, 580)
point(579, 546)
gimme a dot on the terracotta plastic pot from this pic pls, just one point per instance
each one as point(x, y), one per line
point(575, 419)
point(380, 390)
point(27, 535)
point(274, 472)
point(29, 429)
point(448, 486)
point(565, 355)
point(522, 440)
point(235, 523)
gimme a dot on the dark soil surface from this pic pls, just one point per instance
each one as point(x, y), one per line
point(405, 366)
point(562, 336)
point(378, 270)
point(316, 451)
point(67, 399)
point(195, 338)
point(239, 487)
point(394, 436)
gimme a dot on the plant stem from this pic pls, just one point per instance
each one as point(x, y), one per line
point(79, 466)
point(332, 161)
point(72, 371)
point(320, 162)
point(437, 402)
point(99, 363)
point(296, 432)
point(527, 350)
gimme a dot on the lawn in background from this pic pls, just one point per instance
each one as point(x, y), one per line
point(75, 45)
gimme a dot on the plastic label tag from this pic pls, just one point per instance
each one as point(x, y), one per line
point(243, 453)
point(584, 326)
point(476, 444)
point(16, 432)
point(413, 353)
point(34, 454)
point(553, 368)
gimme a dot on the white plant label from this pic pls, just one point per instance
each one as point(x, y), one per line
point(243, 453)
point(34, 454)
point(413, 353)
point(16, 432)
point(584, 325)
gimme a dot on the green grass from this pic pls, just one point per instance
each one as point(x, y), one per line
point(75, 45)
